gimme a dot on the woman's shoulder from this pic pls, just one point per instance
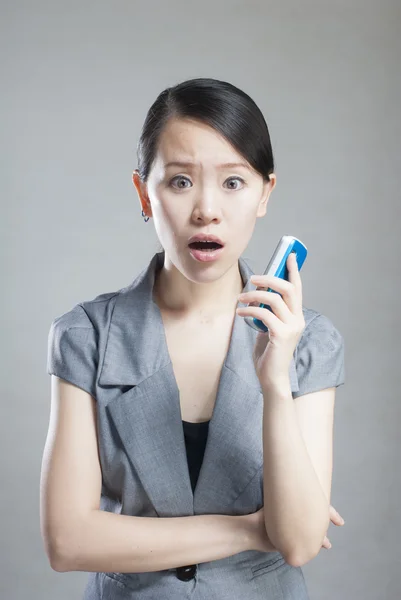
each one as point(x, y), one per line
point(96, 312)
point(73, 341)
point(318, 326)
point(85, 313)
point(319, 354)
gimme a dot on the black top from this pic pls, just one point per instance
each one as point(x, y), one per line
point(195, 443)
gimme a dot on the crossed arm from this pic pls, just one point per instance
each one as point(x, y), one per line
point(298, 439)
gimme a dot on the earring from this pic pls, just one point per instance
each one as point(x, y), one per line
point(146, 219)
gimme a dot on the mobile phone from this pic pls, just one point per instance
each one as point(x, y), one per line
point(278, 267)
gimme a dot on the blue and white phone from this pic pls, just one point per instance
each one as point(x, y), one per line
point(278, 267)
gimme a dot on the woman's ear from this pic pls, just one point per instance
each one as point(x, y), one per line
point(141, 189)
point(268, 187)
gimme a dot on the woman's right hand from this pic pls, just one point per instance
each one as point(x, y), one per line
point(260, 540)
point(336, 519)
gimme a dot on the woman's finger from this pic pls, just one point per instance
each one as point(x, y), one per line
point(335, 517)
point(275, 301)
point(290, 290)
point(326, 542)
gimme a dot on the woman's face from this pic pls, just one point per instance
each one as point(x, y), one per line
point(201, 196)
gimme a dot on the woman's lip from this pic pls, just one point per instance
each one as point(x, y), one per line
point(204, 237)
point(205, 255)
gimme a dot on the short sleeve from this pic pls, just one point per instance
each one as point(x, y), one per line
point(72, 349)
point(319, 357)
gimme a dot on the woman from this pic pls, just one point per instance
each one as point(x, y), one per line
point(188, 455)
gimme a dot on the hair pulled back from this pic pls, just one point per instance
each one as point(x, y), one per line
point(219, 104)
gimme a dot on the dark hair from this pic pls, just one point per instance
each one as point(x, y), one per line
point(219, 104)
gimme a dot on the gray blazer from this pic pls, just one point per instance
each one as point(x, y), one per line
point(114, 347)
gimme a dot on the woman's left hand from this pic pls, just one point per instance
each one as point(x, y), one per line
point(274, 349)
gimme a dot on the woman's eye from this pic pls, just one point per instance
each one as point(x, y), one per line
point(179, 178)
point(231, 179)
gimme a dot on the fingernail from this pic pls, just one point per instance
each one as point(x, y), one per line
point(342, 521)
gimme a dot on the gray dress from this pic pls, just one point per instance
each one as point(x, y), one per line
point(114, 347)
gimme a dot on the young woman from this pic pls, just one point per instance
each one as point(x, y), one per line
point(189, 456)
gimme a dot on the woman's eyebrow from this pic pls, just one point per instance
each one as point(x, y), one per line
point(191, 164)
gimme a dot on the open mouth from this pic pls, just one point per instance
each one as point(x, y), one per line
point(208, 246)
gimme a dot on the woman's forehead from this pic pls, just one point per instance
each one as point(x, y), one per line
point(186, 141)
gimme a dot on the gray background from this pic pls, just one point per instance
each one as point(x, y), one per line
point(77, 80)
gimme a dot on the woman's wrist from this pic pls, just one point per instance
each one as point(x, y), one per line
point(279, 387)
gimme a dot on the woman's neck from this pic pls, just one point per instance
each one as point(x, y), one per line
point(175, 293)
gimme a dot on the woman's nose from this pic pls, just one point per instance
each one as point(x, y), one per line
point(206, 214)
point(207, 208)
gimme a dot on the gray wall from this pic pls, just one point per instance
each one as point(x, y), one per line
point(77, 80)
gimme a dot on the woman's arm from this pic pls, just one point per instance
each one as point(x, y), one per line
point(104, 541)
point(296, 506)
point(78, 536)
